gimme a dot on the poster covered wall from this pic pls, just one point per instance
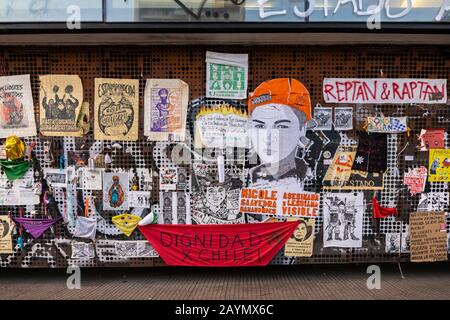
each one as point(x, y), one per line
point(16, 107)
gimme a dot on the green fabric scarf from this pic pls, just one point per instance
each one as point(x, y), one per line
point(15, 169)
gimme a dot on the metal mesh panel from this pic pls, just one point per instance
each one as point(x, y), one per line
point(309, 65)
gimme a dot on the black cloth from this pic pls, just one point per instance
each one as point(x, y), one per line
point(371, 155)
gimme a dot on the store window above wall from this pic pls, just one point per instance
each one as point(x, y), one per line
point(277, 10)
point(51, 10)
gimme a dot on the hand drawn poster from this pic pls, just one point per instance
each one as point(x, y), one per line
point(16, 107)
point(385, 91)
point(343, 216)
point(433, 201)
point(300, 243)
point(214, 202)
point(340, 176)
point(428, 236)
point(221, 127)
point(432, 139)
point(116, 109)
point(82, 251)
point(226, 75)
point(90, 179)
point(415, 179)
point(6, 227)
point(60, 100)
point(115, 191)
point(439, 165)
point(165, 109)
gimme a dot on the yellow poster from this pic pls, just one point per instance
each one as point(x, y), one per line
point(6, 227)
point(439, 165)
point(300, 244)
point(60, 103)
point(116, 111)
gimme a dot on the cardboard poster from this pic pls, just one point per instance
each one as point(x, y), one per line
point(165, 109)
point(116, 109)
point(428, 236)
point(342, 220)
point(439, 165)
point(221, 127)
point(324, 118)
point(60, 100)
point(226, 75)
point(385, 91)
point(16, 107)
point(340, 176)
point(300, 243)
point(6, 227)
point(387, 124)
point(432, 139)
point(343, 118)
point(115, 191)
point(18, 192)
point(415, 179)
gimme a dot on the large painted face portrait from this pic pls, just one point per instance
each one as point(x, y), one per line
point(275, 131)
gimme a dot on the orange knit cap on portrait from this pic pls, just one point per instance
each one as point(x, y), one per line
point(285, 91)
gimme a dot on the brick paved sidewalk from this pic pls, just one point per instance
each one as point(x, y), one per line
point(290, 282)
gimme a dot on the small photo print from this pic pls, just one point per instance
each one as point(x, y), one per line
point(78, 158)
point(168, 179)
point(343, 118)
point(324, 118)
point(56, 177)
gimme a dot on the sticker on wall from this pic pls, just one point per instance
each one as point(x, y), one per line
point(140, 199)
point(6, 227)
point(393, 242)
point(387, 124)
point(432, 139)
point(415, 179)
point(168, 179)
point(343, 215)
point(226, 75)
point(324, 118)
point(115, 191)
point(221, 127)
point(214, 202)
point(343, 118)
point(439, 165)
point(60, 100)
point(165, 109)
point(385, 91)
point(56, 177)
point(16, 107)
point(428, 236)
point(19, 192)
point(300, 244)
point(116, 109)
point(82, 251)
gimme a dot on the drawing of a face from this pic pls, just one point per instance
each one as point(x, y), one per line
point(215, 195)
point(300, 232)
point(275, 132)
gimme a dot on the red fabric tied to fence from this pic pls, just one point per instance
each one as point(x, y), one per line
point(231, 245)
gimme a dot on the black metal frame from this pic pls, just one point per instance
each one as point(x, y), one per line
point(224, 27)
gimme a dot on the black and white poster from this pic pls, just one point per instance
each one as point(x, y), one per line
point(343, 118)
point(324, 118)
point(342, 219)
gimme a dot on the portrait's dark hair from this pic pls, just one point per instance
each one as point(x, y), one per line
point(309, 230)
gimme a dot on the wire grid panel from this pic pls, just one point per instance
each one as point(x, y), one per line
point(310, 65)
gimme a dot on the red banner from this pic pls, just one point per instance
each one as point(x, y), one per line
point(232, 245)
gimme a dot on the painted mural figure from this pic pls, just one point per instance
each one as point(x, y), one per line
point(116, 194)
point(280, 111)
